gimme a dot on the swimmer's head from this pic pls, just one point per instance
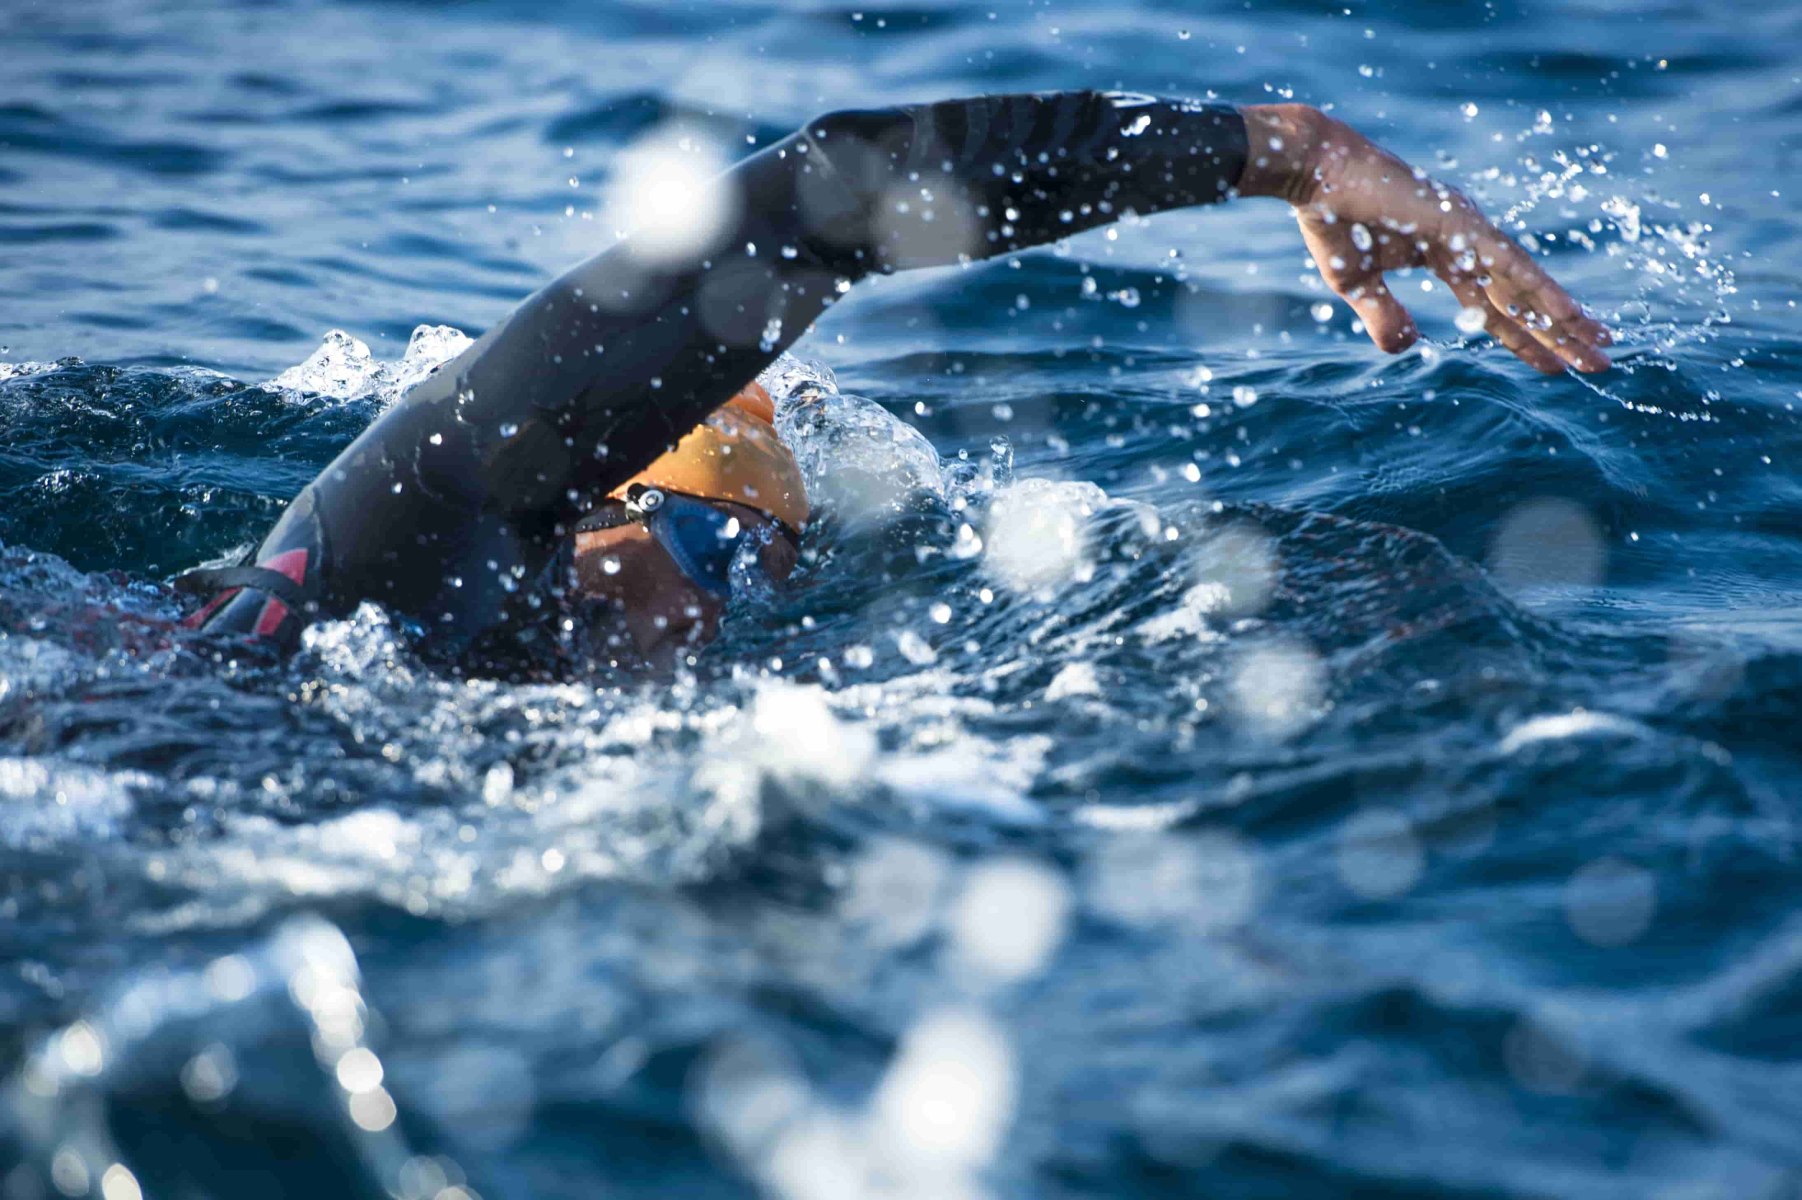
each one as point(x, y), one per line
point(661, 564)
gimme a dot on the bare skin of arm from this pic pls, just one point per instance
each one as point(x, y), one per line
point(1364, 212)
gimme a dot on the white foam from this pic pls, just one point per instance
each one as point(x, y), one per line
point(44, 803)
point(19, 370)
point(800, 738)
point(343, 368)
point(1037, 534)
point(1236, 565)
point(1559, 726)
point(1073, 679)
point(967, 773)
point(1188, 617)
point(28, 664)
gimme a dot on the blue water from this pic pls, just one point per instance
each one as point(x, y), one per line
point(1235, 764)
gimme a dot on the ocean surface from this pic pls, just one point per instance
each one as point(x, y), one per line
point(1199, 755)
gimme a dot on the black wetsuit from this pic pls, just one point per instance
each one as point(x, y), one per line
point(460, 496)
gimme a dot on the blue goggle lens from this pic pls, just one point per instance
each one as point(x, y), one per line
point(699, 537)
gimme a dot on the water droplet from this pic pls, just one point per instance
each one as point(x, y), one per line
point(915, 649)
point(1209, 882)
point(1379, 855)
point(1610, 902)
point(373, 1110)
point(359, 1070)
point(1549, 541)
point(118, 1183)
point(210, 1075)
point(69, 1173)
point(1008, 921)
point(82, 1051)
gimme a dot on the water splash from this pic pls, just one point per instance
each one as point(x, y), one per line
point(1683, 291)
point(193, 1033)
point(19, 370)
point(344, 369)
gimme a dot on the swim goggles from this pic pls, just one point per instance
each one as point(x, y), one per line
point(701, 536)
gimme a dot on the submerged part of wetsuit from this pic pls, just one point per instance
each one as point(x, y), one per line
point(458, 497)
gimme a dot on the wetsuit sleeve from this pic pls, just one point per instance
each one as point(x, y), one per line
point(458, 497)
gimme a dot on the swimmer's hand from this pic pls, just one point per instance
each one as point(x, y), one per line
point(1364, 211)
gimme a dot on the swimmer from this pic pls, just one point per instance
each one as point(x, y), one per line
point(602, 454)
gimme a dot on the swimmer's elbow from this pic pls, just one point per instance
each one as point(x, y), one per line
point(855, 129)
point(860, 148)
point(847, 161)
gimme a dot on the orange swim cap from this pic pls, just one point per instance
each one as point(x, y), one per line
point(735, 455)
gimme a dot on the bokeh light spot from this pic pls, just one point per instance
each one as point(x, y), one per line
point(1611, 902)
point(1549, 542)
point(1008, 920)
point(1379, 854)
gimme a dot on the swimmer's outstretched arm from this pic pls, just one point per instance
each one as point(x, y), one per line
point(461, 493)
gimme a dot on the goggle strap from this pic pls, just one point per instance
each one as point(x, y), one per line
point(611, 515)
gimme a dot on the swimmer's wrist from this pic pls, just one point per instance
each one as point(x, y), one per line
point(1283, 146)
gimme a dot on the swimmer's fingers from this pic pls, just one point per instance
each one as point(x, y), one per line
point(1389, 324)
point(1355, 275)
point(1532, 299)
point(1501, 327)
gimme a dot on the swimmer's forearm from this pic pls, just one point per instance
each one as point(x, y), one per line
point(930, 184)
point(1282, 141)
point(1293, 151)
